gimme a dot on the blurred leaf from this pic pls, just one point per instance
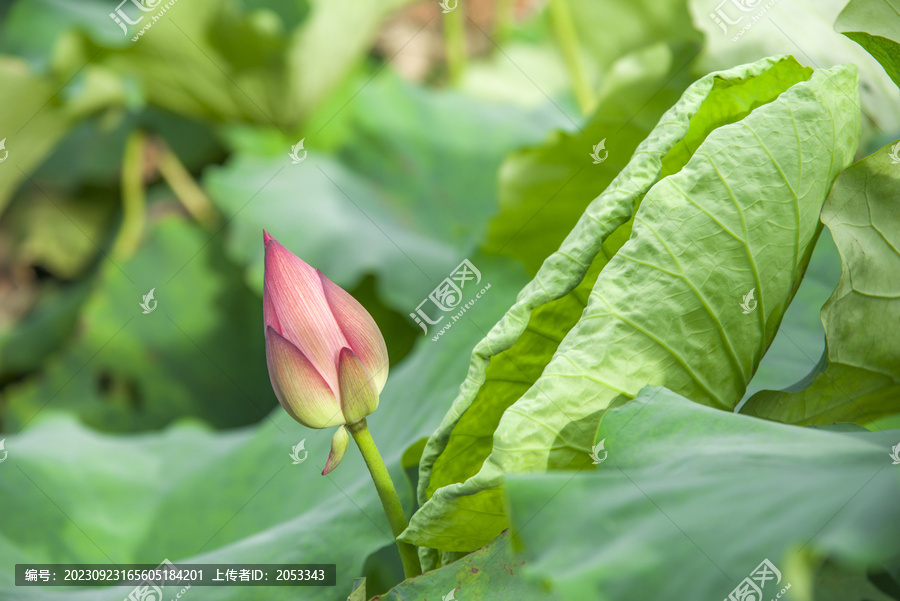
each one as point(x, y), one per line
point(610, 29)
point(804, 29)
point(31, 123)
point(189, 494)
point(859, 377)
point(718, 491)
point(60, 234)
point(342, 31)
point(488, 573)
point(720, 208)
point(544, 190)
point(130, 371)
point(331, 218)
point(26, 345)
point(406, 202)
point(874, 25)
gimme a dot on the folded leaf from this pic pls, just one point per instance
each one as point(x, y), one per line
point(723, 198)
point(858, 378)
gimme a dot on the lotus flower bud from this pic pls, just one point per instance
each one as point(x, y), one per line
point(327, 358)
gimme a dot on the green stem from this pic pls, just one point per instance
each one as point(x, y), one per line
point(133, 197)
point(455, 42)
point(388, 494)
point(567, 38)
point(185, 188)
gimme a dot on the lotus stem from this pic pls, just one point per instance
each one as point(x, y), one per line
point(185, 188)
point(388, 494)
point(455, 42)
point(133, 196)
point(567, 38)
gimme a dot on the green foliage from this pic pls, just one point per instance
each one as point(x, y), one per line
point(619, 311)
point(691, 500)
point(710, 194)
point(858, 378)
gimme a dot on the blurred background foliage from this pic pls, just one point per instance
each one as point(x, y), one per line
point(156, 163)
point(431, 137)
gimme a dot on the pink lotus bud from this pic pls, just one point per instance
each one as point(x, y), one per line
point(327, 359)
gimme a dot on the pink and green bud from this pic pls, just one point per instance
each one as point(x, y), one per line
point(327, 358)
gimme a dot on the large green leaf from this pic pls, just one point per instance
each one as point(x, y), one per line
point(801, 339)
point(191, 495)
point(690, 500)
point(858, 378)
point(874, 25)
point(544, 190)
point(724, 197)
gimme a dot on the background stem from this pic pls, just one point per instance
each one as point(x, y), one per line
point(455, 42)
point(388, 494)
point(567, 38)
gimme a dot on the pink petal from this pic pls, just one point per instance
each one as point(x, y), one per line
point(300, 388)
point(270, 317)
point(360, 331)
point(359, 397)
point(303, 313)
